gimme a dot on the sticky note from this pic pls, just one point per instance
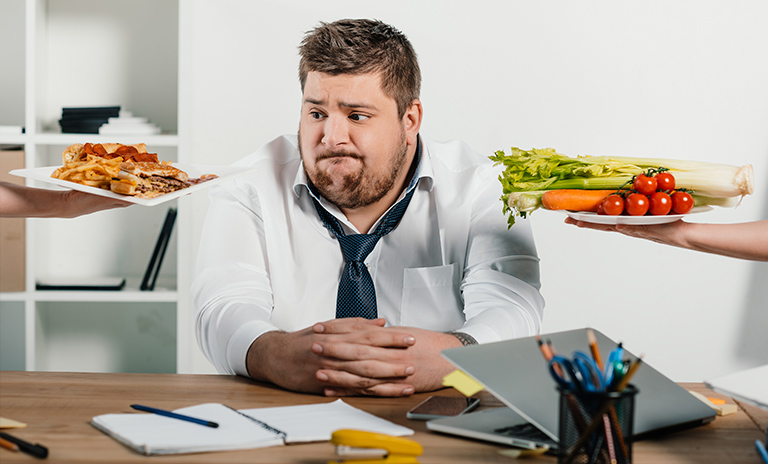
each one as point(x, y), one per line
point(722, 409)
point(462, 382)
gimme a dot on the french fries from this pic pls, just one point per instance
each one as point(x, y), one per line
point(95, 171)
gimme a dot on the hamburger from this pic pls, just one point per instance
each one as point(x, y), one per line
point(147, 179)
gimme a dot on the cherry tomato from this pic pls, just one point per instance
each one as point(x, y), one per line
point(613, 205)
point(600, 208)
point(682, 202)
point(636, 204)
point(665, 181)
point(660, 204)
point(645, 184)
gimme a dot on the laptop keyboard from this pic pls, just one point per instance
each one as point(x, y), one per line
point(525, 431)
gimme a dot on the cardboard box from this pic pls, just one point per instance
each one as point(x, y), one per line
point(12, 231)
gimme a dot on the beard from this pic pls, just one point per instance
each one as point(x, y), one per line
point(361, 187)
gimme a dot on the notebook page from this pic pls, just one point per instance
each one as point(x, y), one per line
point(316, 422)
point(155, 434)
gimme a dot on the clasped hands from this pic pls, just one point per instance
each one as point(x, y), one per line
point(351, 357)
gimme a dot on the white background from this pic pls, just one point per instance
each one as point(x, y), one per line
point(672, 79)
point(677, 79)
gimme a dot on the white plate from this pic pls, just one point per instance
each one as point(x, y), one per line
point(225, 173)
point(634, 220)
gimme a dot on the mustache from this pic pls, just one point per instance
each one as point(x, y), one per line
point(329, 154)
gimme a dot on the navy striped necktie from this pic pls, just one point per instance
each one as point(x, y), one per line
point(357, 295)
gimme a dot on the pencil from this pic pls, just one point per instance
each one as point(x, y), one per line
point(593, 347)
point(551, 347)
point(8, 445)
point(546, 350)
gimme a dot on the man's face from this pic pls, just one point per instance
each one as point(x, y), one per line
point(351, 140)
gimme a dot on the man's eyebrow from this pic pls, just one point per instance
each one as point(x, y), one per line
point(312, 101)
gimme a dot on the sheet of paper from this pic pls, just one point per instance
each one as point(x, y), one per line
point(750, 386)
point(316, 422)
point(6, 423)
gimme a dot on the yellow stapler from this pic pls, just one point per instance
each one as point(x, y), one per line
point(360, 447)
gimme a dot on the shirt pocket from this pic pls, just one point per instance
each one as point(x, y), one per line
point(431, 298)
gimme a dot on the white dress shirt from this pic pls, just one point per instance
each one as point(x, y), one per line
point(266, 261)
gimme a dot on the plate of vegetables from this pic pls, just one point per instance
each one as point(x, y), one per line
point(633, 220)
point(617, 190)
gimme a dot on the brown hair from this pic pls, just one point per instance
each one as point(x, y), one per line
point(361, 46)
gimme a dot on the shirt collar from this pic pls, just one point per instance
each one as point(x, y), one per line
point(423, 171)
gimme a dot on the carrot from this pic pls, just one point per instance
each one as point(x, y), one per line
point(574, 199)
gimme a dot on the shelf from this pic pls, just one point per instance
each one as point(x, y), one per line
point(14, 296)
point(53, 138)
point(127, 330)
point(122, 296)
point(13, 139)
point(130, 294)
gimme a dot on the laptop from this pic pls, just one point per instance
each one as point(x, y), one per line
point(515, 372)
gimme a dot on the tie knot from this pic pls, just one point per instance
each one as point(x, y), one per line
point(357, 247)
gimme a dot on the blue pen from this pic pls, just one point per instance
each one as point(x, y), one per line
point(761, 449)
point(174, 415)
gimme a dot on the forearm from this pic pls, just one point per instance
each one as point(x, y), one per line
point(748, 240)
point(21, 201)
point(261, 356)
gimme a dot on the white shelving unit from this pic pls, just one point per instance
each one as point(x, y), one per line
point(96, 53)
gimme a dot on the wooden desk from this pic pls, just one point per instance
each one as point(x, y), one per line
point(59, 406)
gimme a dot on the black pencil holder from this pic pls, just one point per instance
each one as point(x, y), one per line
point(596, 428)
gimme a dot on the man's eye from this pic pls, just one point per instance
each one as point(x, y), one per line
point(358, 117)
point(315, 115)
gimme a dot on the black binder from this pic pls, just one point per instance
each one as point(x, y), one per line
point(148, 283)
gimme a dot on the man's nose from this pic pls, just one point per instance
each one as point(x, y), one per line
point(336, 131)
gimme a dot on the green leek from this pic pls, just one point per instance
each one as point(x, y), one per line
point(528, 174)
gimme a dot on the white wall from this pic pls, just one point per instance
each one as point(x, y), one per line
point(678, 79)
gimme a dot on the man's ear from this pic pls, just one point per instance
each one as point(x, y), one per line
point(412, 121)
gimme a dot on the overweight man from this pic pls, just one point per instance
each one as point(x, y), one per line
point(360, 249)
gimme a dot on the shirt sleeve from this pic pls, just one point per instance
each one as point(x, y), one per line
point(231, 291)
point(500, 285)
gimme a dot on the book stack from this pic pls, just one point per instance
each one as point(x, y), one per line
point(86, 120)
point(128, 124)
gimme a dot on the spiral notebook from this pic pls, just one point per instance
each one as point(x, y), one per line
point(239, 429)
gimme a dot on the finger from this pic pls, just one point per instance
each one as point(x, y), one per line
point(384, 390)
point(343, 379)
point(369, 369)
point(347, 325)
point(364, 346)
point(594, 226)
